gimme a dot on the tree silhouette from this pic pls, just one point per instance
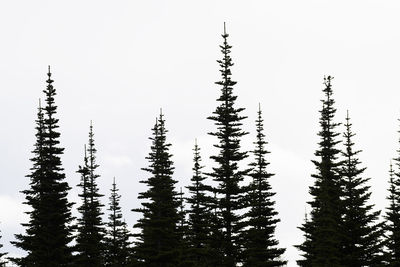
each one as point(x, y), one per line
point(322, 230)
point(90, 226)
point(158, 240)
point(227, 174)
point(260, 245)
point(48, 231)
point(362, 244)
point(117, 242)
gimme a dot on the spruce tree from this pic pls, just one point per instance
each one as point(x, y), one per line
point(322, 231)
point(48, 232)
point(158, 238)
point(199, 214)
point(89, 247)
point(392, 217)
point(260, 246)
point(227, 173)
point(362, 244)
point(117, 244)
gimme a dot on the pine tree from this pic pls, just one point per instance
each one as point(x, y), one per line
point(90, 226)
point(48, 231)
point(227, 174)
point(322, 245)
point(158, 240)
point(392, 217)
point(117, 242)
point(199, 214)
point(362, 244)
point(260, 246)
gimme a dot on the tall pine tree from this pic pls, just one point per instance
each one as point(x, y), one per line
point(89, 242)
point(48, 232)
point(199, 220)
point(227, 173)
point(117, 244)
point(362, 244)
point(158, 240)
point(392, 217)
point(260, 246)
point(322, 231)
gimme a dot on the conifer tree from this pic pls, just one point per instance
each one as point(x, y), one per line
point(184, 259)
point(392, 217)
point(83, 236)
point(227, 173)
point(362, 244)
point(260, 246)
point(158, 240)
point(48, 232)
point(117, 242)
point(90, 226)
point(322, 231)
point(216, 236)
point(199, 214)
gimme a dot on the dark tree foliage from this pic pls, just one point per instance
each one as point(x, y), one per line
point(3, 262)
point(323, 236)
point(117, 244)
point(260, 245)
point(199, 221)
point(158, 240)
point(184, 259)
point(392, 241)
point(89, 241)
point(362, 244)
point(227, 173)
point(48, 231)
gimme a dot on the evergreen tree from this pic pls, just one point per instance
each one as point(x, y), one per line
point(158, 240)
point(117, 240)
point(392, 217)
point(362, 244)
point(216, 236)
point(184, 259)
point(227, 174)
point(199, 213)
point(48, 231)
point(90, 226)
point(260, 246)
point(323, 234)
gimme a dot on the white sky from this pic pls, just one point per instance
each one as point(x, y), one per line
point(118, 62)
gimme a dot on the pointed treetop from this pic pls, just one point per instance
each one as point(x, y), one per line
point(114, 180)
point(40, 103)
point(49, 80)
point(225, 33)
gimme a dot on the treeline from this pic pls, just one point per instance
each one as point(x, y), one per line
point(221, 221)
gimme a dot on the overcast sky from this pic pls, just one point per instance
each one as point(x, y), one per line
point(118, 62)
